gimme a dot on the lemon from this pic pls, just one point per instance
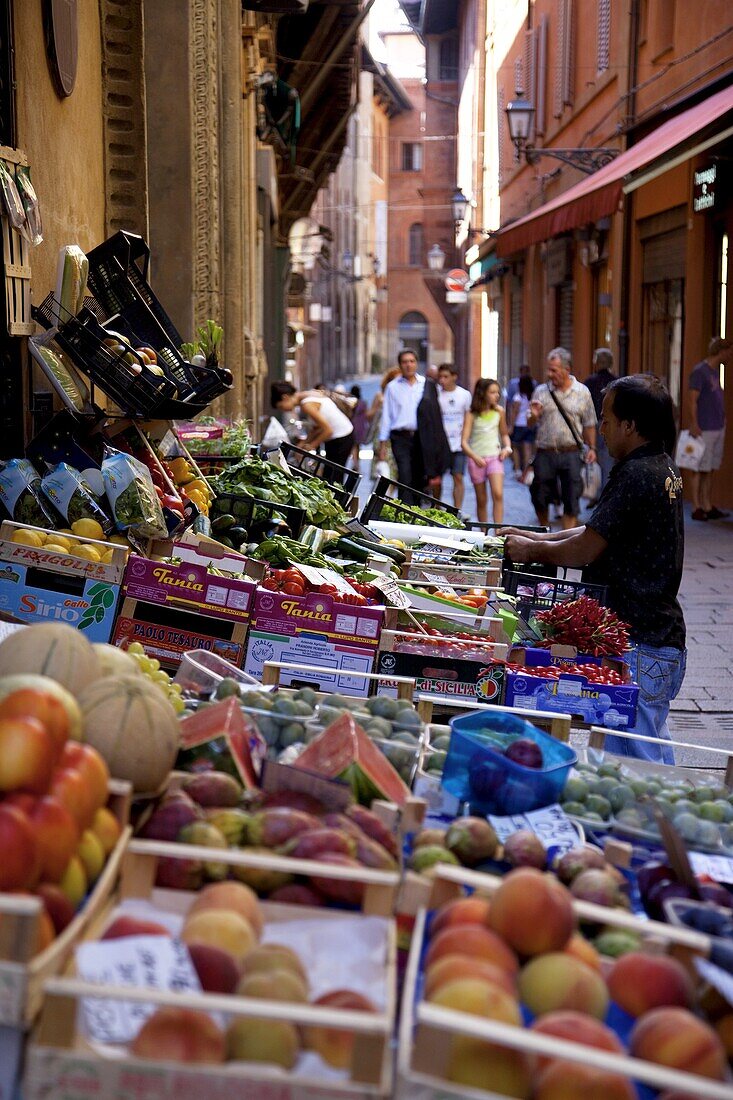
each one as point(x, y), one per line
point(59, 540)
point(106, 559)
point(119, 540)
point(89, 552)
point(88, 529)
point(28, 538)
point(64, 531)
point(56, 548)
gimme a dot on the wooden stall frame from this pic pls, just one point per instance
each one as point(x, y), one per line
point(556, 724)
point(271, 677)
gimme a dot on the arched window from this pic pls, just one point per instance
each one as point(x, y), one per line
point(416, 245)
point(413, 333)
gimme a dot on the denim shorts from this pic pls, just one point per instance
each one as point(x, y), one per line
point(659, 672)
point(457, 463)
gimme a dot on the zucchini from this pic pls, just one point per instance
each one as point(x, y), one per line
point(223, 523)
point(380, 548)
point(353, 550)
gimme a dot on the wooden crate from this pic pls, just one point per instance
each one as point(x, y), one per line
point(597, 740)
point(22, 973)
point(426, 1030)
point(58, 1058)
point(272, 670)
point(556, 724)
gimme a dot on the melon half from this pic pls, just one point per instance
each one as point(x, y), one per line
point(50, 649)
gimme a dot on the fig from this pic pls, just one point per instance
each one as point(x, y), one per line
point(213, 789)
point(573, 863)
point(599, 887)
point(373, 826)
point(170, 816)
point(231, 823)
point(276, 825)
point(525, 849)
point(318, 843)
point(207, 835)
point(472, 840)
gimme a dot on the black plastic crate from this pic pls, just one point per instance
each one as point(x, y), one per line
point(404, 513)
point(253, 514)
point(474, 525)
point(423, 500)
point(540, 592)
point(82, 338)
point(338, 477)
point(118, 271)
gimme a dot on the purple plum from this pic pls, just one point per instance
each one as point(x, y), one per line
point(525, 752)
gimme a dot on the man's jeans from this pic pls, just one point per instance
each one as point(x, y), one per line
point(659, 672)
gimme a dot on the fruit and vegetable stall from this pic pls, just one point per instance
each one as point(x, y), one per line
point(300, 799)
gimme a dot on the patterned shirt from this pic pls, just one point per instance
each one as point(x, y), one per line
point(552, 431)
point(640, 516)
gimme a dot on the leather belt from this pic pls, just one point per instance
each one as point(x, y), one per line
point(559, 450)
point(403, 431)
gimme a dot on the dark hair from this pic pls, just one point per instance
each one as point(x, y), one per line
point(278, 390)
point(480, 399)
point(356, 392)
point(526, 385)
point(645, 402)
point(717, 345)
point(450, 367)
point(405, 351)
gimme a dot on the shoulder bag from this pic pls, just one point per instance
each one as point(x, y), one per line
point(590, 471)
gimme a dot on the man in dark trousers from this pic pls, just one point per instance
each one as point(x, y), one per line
point(634, 544)
point(602, 376)
point(399, 424)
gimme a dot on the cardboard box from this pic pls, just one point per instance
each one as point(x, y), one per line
point(38, 585)
point(612, 706)
point(314, 630)
point(450, 677)
point(170, 608)
point(479, 576)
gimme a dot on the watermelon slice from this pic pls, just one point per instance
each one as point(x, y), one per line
point(221, 737)
point(344, 751)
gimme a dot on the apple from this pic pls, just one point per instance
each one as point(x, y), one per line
point(93, 769)
point(68, 787)
point(56, 904)
point(19, 864)
point(149, 352)
point(27, 753)
point(57, 836)
point(48, 709)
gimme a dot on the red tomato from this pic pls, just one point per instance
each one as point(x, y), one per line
point(294, 575)
point(328, 590)
point(271, 584)
point(293, 589)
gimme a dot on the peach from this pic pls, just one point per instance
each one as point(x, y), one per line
point(576, 1027)
point(473, 910)
point(133, 926)
point(474, 941)
point(479, 998)
point(449, 967)
point(220, 928)
point(724, 1028)
point(274, 956)
point(45, 707)
point(573, 1081)
point(107, 828)
point(234, 896)
point(274, 985)
point(216, 969)
point(20, 862)
point(559, 981)
point(639, 982)
point(480, 1065)
point(91, 766)
point(57, 836)
point(675, 1038)
point(27, 755)
point(179, 1035)
point(335, 1045)
point(533, 912)
point(579, 947)
point(68, 786)
point(251, 1039)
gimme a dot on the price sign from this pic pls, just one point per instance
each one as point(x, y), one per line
point(317, 577)
point(392, 592)
point(277, 458)
point(445, 589)
point(432, 552)
point(456, 544)
point(719, 868)
point(551, 824)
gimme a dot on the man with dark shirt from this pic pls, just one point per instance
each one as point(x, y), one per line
point(602, 376)
point(707, 421)
point(634, 544)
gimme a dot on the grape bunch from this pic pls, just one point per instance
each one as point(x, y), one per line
point(150, 667)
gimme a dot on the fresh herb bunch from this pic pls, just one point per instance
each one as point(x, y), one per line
point(585, 624)
point(255, 478)
point(426, 516)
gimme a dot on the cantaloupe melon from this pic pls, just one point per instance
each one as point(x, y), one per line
point(114, 661)
point(131, 723)
point(50, 649)
point(9, 684)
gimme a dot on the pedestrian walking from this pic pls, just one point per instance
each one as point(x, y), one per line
point(512, 389)
point(633, 542)
point(520, 433)
point(602, 376)
point(385, 466)
point(486, 443)
point(433, 442)
point(328, 425)
point(562, 410)
point(360, 424)
point(398, 425)
point(707, 422)
point(455, 401)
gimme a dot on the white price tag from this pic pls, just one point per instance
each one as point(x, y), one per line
point(440, 582)
point(719, 868)
point(551, 824)
point(443, 542)
point(151, 962)
point(392, 592)
point(277, 458)
point(318, 576)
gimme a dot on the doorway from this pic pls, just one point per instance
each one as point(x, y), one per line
point(413, 333)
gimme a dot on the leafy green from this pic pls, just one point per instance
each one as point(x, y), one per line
point(256, 478)
point(424, 516)
point(235, 441)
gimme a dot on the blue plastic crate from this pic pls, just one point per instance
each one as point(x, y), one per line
point(481, 775)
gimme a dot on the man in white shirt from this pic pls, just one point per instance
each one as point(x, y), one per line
point(454, 401)
point(399, 423)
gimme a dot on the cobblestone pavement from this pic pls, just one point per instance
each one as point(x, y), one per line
point(703, 712)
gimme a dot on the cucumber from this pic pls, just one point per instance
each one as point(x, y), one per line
point(380, 548)
point(353, 550)
point(223, 523)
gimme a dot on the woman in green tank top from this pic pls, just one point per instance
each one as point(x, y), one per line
point(486, 443)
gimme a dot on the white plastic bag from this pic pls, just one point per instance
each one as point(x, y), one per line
point(591, 473)
point(689, 451)
point(275, 434)
point(381, 468)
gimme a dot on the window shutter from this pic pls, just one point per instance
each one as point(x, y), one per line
point(564, 75)
point(541, 77)
point(604, 36)
point(501, 127)
point(530, 68)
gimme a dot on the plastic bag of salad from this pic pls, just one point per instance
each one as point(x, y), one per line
point(131, 494)
point(21, 497)
point(72, 496)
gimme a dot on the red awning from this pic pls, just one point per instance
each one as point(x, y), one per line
point(599, 195)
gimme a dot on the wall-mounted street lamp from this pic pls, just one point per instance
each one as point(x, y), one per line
point(459, 205)
point(520, 116)
point(436, 258)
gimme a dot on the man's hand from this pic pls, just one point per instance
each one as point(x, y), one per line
point(520, 549)
point(531, 535)
point(381, 452)
point(590, 455)
point(536, 409)
point(695, 431)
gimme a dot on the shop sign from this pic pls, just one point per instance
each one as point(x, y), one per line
point(704, 188)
